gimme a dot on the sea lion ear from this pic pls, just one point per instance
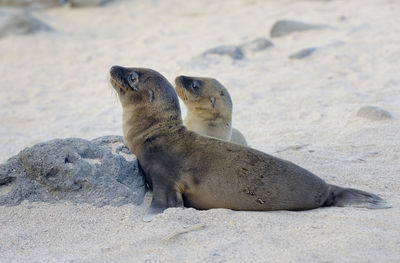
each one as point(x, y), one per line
point(212, 99)
point(151, 95)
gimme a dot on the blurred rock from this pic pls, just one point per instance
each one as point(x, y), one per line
point(39, 4)
point(373, 113)
point(99, 172)
point(86, 3)
point(234, 52)
point(256, 45)
point(284, 27)
point(14, 22)
point(32, 3)
point(303, 53)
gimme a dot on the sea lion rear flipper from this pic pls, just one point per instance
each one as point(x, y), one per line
point(162, 200)
point(352, 197)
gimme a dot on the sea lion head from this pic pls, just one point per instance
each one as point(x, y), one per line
point(136, 86)
point(148, 100)
point(204, 95)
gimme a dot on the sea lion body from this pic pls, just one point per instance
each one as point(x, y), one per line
point(209, 107)
point(237, 137)
point(185, 168)
point(227, 175)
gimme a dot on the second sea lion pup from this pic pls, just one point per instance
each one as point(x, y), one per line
point(186, 169)
point(209, 108)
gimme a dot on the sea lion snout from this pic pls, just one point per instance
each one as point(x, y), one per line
point(179, 81)
point(113, 68)
point(125, 77)
point(115, 71)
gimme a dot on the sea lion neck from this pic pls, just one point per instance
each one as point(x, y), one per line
point(213, 125)
point(206, 115)
point(141, 125)
point(149, 103)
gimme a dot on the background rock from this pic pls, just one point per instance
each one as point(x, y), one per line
point(32, 3)
point(100, 172)
point(84, 3)
point(284, 27)
point(41, 4)
point(256, 45)
point(20, 23)
point(373, 113)
point(302, 53)
point(234, 52)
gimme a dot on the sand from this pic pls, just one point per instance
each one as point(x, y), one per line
point(55, 85)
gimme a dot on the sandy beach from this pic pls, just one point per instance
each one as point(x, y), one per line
point(55, 85)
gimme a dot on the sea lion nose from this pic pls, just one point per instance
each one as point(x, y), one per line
point(178, 80)
point(114, 69)
point(182, 80)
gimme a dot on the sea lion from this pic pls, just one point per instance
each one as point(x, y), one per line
point(209, 106)
point(184, 168)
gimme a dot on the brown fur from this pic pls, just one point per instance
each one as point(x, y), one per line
point(187, 169)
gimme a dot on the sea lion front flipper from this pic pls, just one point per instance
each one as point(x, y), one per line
point(153, 210)
point(163, 199)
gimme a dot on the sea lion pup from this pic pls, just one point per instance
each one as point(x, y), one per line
point(185, 168)
point(209, 108)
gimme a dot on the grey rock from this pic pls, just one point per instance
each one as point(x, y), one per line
point(20, 23)
point(234, 52)
point(36, 4)
point(373, 113)
point(284, 27)
point(99, 172)
point(86, 3)
point(303, 53)
point(256, 45)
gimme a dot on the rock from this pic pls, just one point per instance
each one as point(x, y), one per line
point(373, 113)
point(32, 3)
point(303, 53)
point(86, 3)
point(284, 27)
point(256, 45)
point(216, 56)
point(234, 52)
point(99, 172)
point(20, 23)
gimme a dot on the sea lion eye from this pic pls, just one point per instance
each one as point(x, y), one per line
point(133, 78)
point(195, 85)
